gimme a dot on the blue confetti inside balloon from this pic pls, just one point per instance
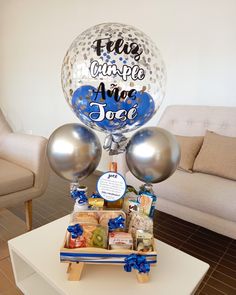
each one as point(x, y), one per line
point(108, 114)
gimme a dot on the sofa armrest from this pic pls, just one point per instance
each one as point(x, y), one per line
point(28, 151)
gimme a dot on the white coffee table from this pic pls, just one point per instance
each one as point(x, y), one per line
point(38, 271)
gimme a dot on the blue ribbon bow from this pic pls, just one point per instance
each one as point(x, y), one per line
point(80, 195)
point(75, 230)
point(95, 196)
point(118, 222)
point(138, 262)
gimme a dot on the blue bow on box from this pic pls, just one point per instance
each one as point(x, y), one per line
point(95, 196)
point(115, 223)
point(75, 230)
point(138, 262)
point(79, 195)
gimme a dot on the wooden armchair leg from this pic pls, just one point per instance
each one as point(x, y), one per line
point(28, 214)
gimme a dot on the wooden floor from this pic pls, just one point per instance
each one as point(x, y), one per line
point(217, 250)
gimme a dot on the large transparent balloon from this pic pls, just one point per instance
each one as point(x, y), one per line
point(113, 77)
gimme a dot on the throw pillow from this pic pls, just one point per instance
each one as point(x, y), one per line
point(189, 146)
point(217, 156)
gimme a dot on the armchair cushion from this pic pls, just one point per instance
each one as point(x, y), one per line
point(14, 178)
point(29, 152)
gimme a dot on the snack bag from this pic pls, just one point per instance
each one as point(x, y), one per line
point(133, 206)
point(140, 221)
point(147, 199)
point(130, 195)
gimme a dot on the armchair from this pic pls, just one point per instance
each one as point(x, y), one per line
point(23, 168)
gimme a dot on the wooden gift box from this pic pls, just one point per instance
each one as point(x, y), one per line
point(78, 257)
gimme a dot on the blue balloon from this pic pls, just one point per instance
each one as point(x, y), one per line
point(110, 112)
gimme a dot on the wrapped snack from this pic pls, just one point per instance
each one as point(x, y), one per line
point(98, 238)
point(117, 223)
point(85, 217)
point(96, 203)
point(147, 199)
point(105, 216)
point(73, 237)
point(132, 206)
point(91, 236)
point(144, 241)
point(120, 240)
point(130, 195)
point(140, 221)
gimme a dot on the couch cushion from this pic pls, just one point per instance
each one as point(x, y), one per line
point(207, 193)
point(14, 178)
point(217, 156)
point(195, 120)
point(189, 146)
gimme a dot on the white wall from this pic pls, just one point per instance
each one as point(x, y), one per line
point(197, 39)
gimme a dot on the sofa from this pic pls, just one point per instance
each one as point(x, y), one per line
point(24, 168)
point(203, 199)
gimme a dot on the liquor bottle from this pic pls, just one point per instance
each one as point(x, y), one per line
point(119, 203)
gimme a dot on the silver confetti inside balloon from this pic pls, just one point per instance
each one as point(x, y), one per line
point(74, 151)
point(153, 154)
point(113, 77)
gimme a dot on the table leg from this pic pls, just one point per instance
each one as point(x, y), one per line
point(142, 277)
point(75, 271)
point(68, 268)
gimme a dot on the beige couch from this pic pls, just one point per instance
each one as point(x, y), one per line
point(203, 199)
point(24, 168)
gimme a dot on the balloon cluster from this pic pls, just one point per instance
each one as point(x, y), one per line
point(113, 77)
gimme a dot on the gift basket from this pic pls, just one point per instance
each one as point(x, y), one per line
point(113, 78)
point(122, 235)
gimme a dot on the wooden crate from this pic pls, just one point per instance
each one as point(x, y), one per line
point(78, 257)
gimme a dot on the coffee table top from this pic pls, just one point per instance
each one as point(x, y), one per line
point(175, 273)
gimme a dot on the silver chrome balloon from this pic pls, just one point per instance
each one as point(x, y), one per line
point(74, 151)
point(152, 154)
